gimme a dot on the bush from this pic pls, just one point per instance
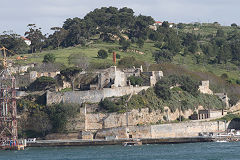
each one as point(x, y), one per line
point(162, 90)
point(125, 44)
point(224, 76)
point(102, 54)
point(135, 80)
point(118, 56)
point(127, 62)
point(163, 55)
point(59, 115)
point(49, 58)
point(108, 105)
point(42, 83)
point(110, 50)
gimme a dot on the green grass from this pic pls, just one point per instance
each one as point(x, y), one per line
point(218, 69)
point(91, 52)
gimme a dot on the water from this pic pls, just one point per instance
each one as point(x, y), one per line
point(190, 151)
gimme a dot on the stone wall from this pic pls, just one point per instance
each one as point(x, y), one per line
point(187, 129)
point(92, 96)
point(88, 119)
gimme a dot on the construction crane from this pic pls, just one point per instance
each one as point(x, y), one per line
point(8, 110)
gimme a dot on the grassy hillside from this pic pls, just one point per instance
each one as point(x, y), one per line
point(91, 52)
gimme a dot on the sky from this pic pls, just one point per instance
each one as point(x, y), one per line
point(15, 15)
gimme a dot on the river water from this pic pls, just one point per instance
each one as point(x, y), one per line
point(189, 151)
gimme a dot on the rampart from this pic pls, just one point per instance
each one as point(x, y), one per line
point(91, 96)
point(188, 129)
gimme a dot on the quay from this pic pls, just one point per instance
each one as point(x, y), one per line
point(96, 142)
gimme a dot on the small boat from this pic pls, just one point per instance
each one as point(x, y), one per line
point(132, 143)
point(221, 141)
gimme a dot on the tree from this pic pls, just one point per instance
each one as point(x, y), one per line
point(163, 55)
point(165, 24)
point(220, 33)
point(233, 25)
point(71, 74)
point(35, 35)
point(127, 62)
point(78, 60)
point(190, 85)
point(118, 56)
point(125, 44)
point(59, 115)
point(58, 36)
point(108, 105)
point(140, 43)
point(41, 122)
point(13, 42)
point(162, 90)
point(49, 58)
point(135, 80)
point(102, 54)
point(42, 83)
point(180, 25)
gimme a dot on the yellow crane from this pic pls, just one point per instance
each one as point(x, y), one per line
point(4, 60)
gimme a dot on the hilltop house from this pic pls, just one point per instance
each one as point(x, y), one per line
point(27, 41)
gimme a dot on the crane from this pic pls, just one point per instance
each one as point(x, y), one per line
point(8, 109)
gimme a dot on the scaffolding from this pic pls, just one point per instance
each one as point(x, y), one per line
point(8, 110)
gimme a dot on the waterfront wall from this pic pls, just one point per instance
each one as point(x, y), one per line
point(132, 118)
point(91, 96)
point(188, 129)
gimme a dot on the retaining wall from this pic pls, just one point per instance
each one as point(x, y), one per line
point(92, 96)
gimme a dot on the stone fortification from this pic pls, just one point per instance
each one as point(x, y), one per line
point(187, 129)
point(91, 96)
point(89, 119)
point(135, 117)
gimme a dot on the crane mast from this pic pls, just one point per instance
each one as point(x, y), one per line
point(8, 109)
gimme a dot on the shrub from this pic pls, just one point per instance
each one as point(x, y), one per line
point(162, 91)
point(49, 58)
point(42, 83)
point(224, 76)
point(108, 105)
point(127, 62)
point(102, 54)
point(163, 55)
point(59, 115)
point(118, 56)
point(135, 80)
point(110, 50)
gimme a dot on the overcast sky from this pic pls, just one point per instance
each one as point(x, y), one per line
point(16, 14)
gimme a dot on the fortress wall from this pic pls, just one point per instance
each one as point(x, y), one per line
point(92, 96)
point(188, 129)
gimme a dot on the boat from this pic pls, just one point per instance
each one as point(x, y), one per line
point(132, 143)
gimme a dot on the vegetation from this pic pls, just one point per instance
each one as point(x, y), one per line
point(39, 120)
point(71, 74)
point(42, 83)
point(200, 51)
point(49, 58)
point(102, 54)
point(230, 117)
point(135, 80)
point(162, 95)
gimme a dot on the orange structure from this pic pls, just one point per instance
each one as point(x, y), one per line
point(114, 58)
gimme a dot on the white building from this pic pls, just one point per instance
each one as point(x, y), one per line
point(27, 41)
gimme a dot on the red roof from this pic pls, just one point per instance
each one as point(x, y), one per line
point(158, 22)
point(24, 38)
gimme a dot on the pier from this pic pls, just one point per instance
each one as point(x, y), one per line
point(95, 142)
